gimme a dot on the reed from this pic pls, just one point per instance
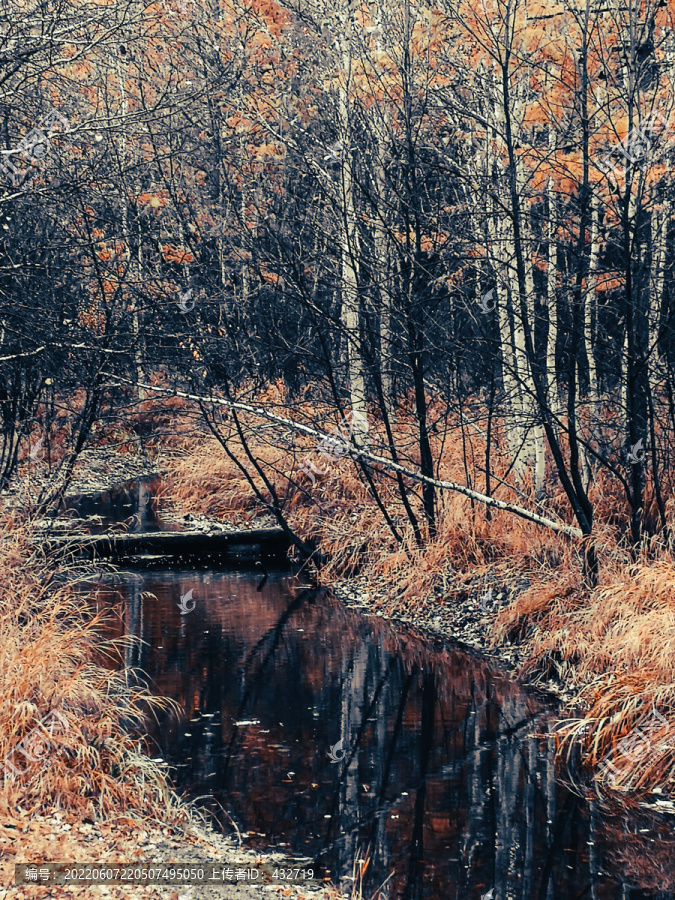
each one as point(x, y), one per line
point(62, 701)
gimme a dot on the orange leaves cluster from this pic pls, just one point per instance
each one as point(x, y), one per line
point(157, 200)
point(267, 276)
point(609, 282)
point(428, 242)
point(261, 40)
point(273, 17)
point(240, 254)
point(106, 253)
point(93, 318)
point(174, 254)
point(239, 124)
point(269, 150)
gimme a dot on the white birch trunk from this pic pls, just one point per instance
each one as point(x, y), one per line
point(632, 207)
point(381, 125)
point(531, 409)
point(351, 312)
point(244, 262)
point(512, 405)
point(551, 298)
point(659, 236)
point(522, 407)
point(511, 332)
point(134, 264)
point(383, 293)
point(589, 343)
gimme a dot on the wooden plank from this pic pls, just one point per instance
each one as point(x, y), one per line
point(255, 544)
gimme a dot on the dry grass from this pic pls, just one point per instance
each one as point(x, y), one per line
point(89, 780)
point(341, 515)
point(616, 643)
point(50, 646)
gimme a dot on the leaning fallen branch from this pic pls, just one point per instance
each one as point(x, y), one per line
point(359, 453)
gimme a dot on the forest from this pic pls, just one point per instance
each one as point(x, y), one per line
point(395, 277)
point(450, 221)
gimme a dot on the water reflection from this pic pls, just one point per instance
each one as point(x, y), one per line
point(445, 775)
point(133, 503)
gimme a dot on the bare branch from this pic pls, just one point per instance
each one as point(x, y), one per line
point(559, 527)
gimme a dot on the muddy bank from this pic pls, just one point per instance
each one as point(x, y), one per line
point(465, 616)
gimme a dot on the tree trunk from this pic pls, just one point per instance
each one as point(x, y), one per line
point(134, 260)
point(350, 300)
point(589, 344)
point(552, 299)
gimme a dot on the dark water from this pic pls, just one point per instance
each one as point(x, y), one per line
point(132, 504)
point(442, 776)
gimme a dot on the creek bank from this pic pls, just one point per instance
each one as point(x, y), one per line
point(463, 622)
point(465, 611)
point(95, 471)
point(267, 547)
point(61, 838)
point(39, 834)
point(465, 616)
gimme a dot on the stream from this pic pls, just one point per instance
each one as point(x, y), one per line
point(329, 733)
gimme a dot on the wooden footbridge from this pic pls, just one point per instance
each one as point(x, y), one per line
point(263, 545)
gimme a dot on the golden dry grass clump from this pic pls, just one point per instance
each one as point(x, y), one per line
point(616, 644)
point(61, 706)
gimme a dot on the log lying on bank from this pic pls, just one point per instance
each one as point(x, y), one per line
point(231, 547)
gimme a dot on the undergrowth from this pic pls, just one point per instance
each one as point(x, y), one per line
point(64, 715)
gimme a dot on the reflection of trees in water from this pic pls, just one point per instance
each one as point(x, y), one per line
point(414, 887)
point(482, 809)
point(133, 621)
point(646, 859)
point(354, 699)
point(256, 669)
point(130, 506)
